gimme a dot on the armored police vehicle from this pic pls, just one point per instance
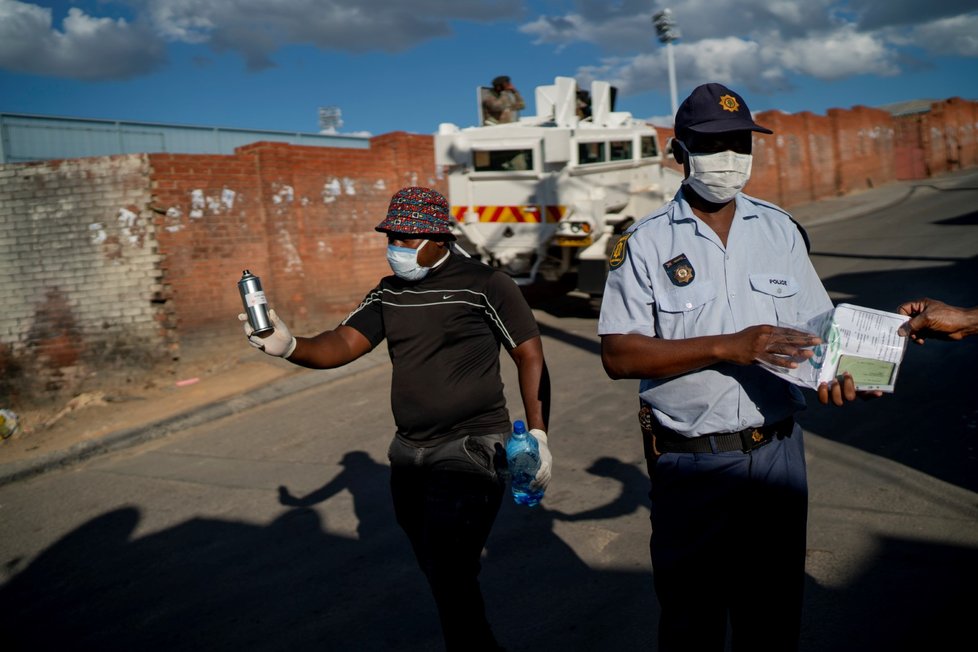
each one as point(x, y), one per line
point(547, 195)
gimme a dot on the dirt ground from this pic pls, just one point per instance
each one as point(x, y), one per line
point(119, 400)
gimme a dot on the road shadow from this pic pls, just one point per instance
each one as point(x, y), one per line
point(931, 422)
point(558, 298)
point(292, 584)
point(911, 596)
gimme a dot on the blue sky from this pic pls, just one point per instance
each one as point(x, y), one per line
point(409, 65)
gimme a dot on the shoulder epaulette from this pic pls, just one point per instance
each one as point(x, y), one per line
point(778, 209)
point(664, 210)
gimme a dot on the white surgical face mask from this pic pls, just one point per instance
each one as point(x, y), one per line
point(404, 262)
point(717, 177)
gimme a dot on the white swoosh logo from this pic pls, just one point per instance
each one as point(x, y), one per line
point(446, 296)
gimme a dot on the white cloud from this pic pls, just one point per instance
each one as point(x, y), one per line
point(256, 28)
point(955, 36)
point(835, 55)
point(628, 26)
point(614, 33)
point(84, 48)
point(87, 47)
point(876, 14)
point(759, 44)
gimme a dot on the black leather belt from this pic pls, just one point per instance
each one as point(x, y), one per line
point(659, 439)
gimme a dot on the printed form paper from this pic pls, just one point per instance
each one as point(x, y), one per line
point(858, 340)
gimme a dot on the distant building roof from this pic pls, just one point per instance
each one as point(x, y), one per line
point(26, 138)
point(908, 107)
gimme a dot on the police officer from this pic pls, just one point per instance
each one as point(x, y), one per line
point(694, 299)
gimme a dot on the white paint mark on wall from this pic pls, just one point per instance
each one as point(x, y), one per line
point(97, 230)
point(173, 214)
point(126, 218)
point(349, 186)
point(227, 198)
point(331, 189)
point(197, 204)
point(213, 205)
point(380, 185)
point(286, 194)
point(293, 262)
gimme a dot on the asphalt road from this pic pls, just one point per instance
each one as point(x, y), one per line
point(271, 529)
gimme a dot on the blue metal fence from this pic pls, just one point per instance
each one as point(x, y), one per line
point(26, 138)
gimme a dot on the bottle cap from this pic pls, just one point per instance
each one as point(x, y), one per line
point(519, 427)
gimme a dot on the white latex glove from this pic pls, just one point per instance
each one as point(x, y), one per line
point(542, 478)
point(279, 342)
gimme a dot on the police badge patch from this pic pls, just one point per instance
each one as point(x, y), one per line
point(680, 270)
point(619, 252)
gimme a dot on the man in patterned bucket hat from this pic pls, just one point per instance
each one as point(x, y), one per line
point(444, 316)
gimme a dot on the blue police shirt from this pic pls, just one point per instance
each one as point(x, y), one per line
point(671, 277)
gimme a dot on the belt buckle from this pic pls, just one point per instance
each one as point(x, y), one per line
point(751, 439)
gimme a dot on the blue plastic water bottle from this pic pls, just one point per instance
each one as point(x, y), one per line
point(523, 457)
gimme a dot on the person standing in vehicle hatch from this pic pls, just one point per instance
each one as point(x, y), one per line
point(694, 298)
point(501, 103)
point(444, 316)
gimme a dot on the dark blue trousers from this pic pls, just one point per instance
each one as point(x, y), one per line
point(728, 542)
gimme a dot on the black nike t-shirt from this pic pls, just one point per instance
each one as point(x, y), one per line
point(443, 334)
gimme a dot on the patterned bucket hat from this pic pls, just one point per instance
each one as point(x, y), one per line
point(418, 211)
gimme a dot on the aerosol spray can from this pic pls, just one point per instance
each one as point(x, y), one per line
point(255, 303)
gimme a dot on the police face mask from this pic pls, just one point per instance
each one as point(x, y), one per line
point(404, 262)
point(717, 177)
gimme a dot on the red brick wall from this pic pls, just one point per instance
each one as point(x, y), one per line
point(908, 150)
point(300, 217)
point(864, 140)
point(952, 126)
point(811, 157)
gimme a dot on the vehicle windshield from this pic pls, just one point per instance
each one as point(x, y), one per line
point(502, 160)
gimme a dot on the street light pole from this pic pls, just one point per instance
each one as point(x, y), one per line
point(667, 30)
point(672, 77)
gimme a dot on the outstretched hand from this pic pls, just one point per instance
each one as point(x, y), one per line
point(938, 320)
point(279, 342)
point(776, 345)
